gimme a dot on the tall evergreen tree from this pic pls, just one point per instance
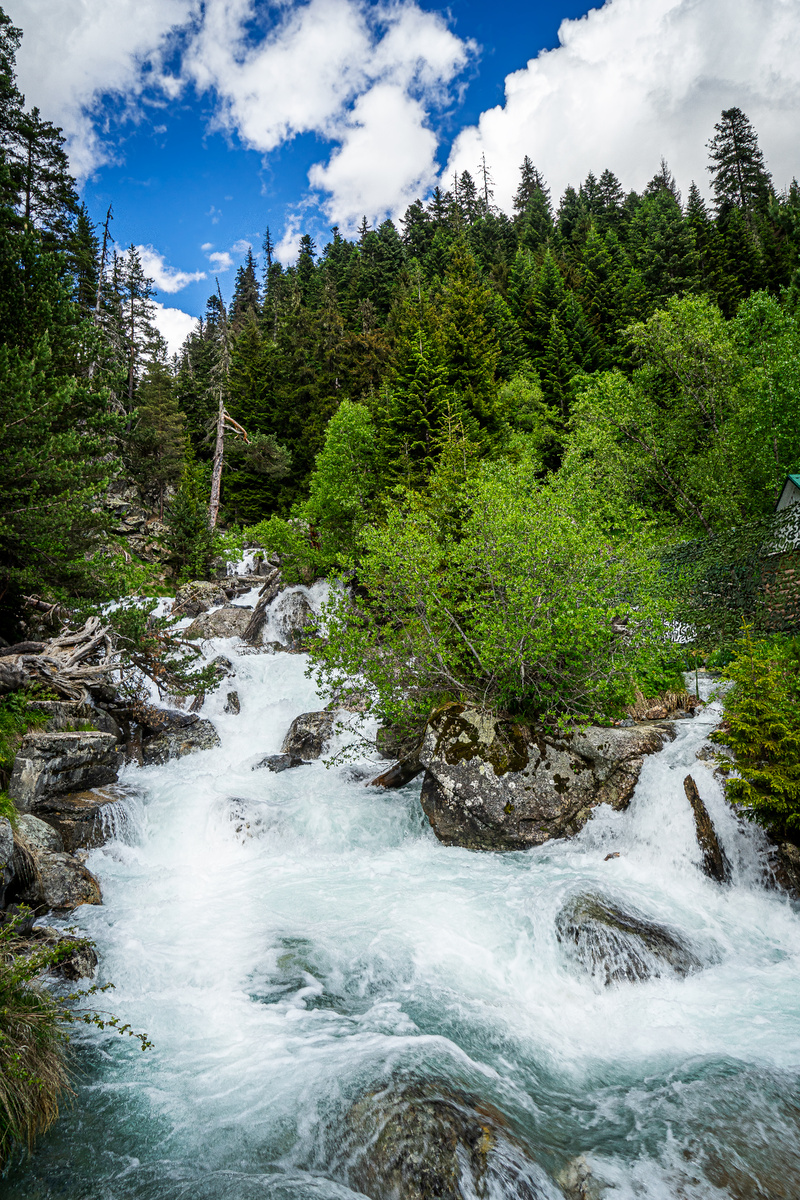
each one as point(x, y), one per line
point(739, 176)
point(159, 437)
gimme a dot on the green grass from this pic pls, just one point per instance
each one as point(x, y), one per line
point(16, 718)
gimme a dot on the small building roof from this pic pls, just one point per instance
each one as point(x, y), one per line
point(790, 493)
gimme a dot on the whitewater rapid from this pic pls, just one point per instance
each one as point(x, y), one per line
point(290, 941)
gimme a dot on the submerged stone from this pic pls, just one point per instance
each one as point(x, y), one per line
point(426, 1140)
point(280, 762)
point(613, 945)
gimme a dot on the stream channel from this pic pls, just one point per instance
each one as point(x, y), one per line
point(293, 942)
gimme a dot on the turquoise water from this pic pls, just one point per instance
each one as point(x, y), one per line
point(291, 941)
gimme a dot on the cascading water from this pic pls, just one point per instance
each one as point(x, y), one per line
point(294, 942)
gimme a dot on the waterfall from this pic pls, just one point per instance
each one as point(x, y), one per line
point(293, 942)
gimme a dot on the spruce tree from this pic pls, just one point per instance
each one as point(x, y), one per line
point(739, 176)
point(47, 196)
point(159, 437)
point(246, 294)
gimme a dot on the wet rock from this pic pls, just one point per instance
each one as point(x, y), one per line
point(77, 957)
point(223, 667)
point(50, 879)
point(180, 739)
point(53, 763)
point(577, 1181)
point(84, 820)
point(492, 785)
point(308, 735)
point(715, 860)
point(6, 856)
point(280, 762)
point(613, 945)
point(785, 868)
point(222, 622)
point(422, 1141)
point(232, 704)
point(197, 597)
point(38, 834)
point(263, 648)
point(295, 618)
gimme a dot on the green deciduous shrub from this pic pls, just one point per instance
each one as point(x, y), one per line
point(762, 729)
point(521, 607)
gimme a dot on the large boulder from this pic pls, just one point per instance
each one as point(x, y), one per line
point(52, 763)
point(279, 762)
point(39, 834)
point(784, 862)
point(51, 880)
point(83, 819)
point(230, 621)
point(69, 716)
point(426, 1139)
point(613, 945)
point(197, 597)
point(295, 618)
point(308, 735)
point(493, 785)
point(179, 739)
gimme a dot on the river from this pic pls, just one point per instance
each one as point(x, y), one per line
point(290, 942)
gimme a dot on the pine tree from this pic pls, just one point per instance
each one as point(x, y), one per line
point(246, 294)
point(664, 181)
point(159, 437)
point(413, 407)
point(83, 256)
point(47, 196)
point(465, 339)
point(306, 272)
point(669, 264)
point(531, 181)
point(557, 368)
point(739, 177)
point(189, 538)
point(141, 340)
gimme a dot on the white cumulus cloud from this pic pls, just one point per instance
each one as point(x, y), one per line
point(166, 279)
point(220, 260)
point(638, 79)
point(74, 51)
point(174, 325)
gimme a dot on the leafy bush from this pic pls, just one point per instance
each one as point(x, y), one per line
point(522, 608)
point(34, 1036)
point(762, 729)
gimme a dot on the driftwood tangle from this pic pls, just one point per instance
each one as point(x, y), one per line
point(73, 664)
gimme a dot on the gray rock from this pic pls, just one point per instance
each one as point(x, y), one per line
point(177, 741)
point(232, 704)
point(6, 856)
point(280, 762)
point(578, 1182)
point(223, 622)
point(39, 834)
point(295, 618)
point(197, 597)
point(83, 819)
point(785, 868)
point(308, 735)
point(68, 715)
point(53, 763)
point(492, 785)
point(49, 879)
point(417, 1141)
point(613, 945)
point(79, 959)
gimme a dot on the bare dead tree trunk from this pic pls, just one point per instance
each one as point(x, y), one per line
point(219, 455)
point(100, 277)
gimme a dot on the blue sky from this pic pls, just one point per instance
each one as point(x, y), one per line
point(205, 121)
